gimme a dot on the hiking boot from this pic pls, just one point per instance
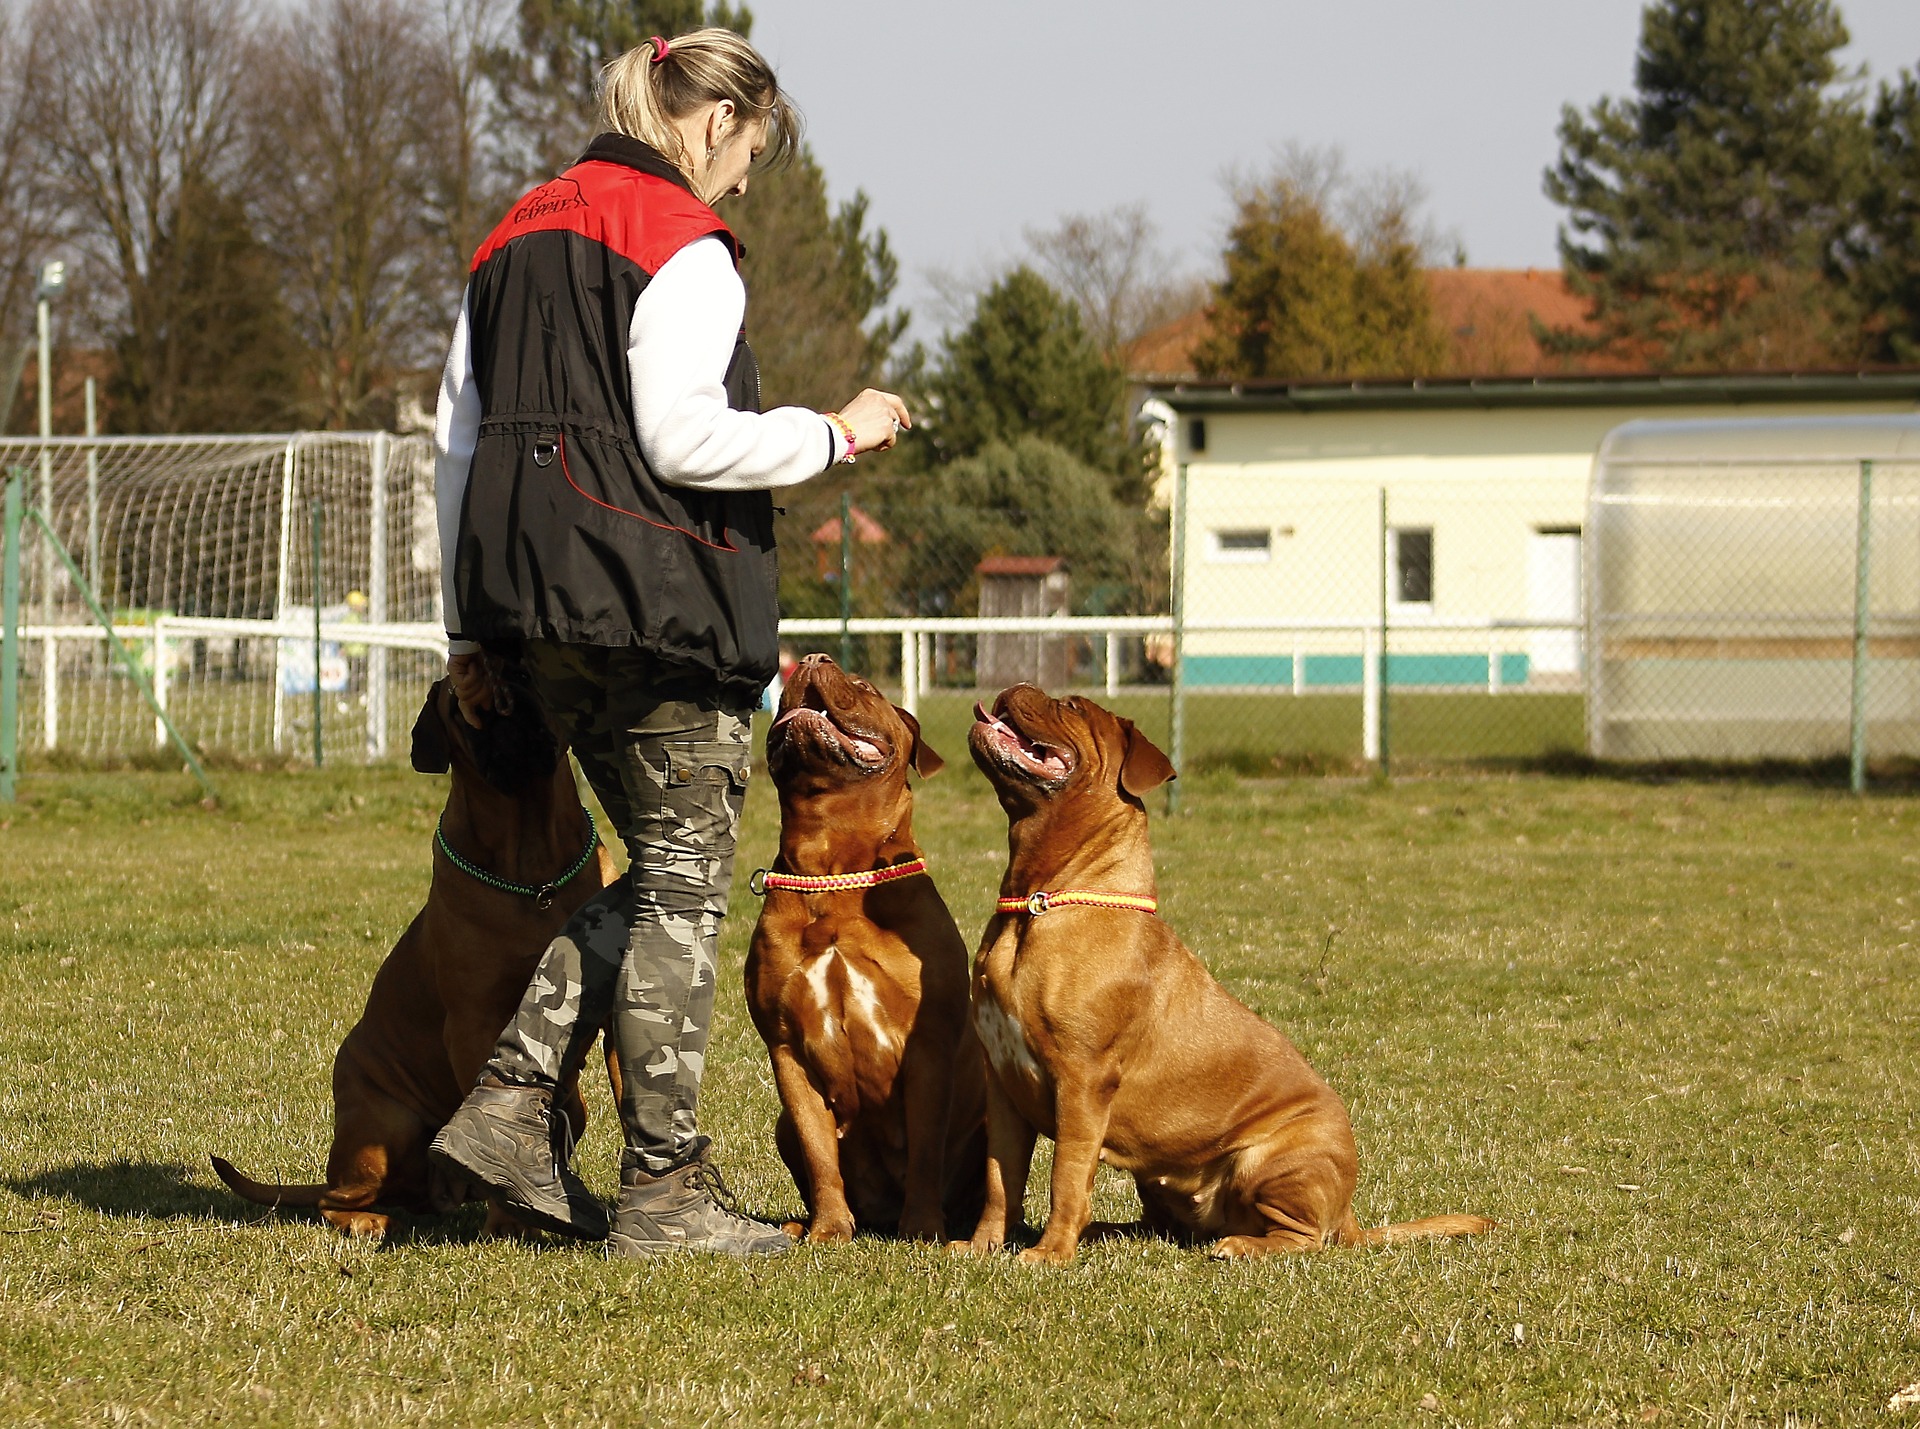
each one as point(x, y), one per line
point(510, 1138)
point(687, 1208)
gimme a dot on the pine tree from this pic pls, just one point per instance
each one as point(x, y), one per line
point(1026, 366)
point(216, 351)
point(1886, 259)
point(814, 280)
point(1703, 214)
point(1301, 299)
point(547, 78)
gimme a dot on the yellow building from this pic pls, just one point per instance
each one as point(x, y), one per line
point(1452, 507)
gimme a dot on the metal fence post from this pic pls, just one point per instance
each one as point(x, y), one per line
point(1177, 609)
point(1373, 685)
point(161, 655)
point(10, 637)
point(1862, 599)
point(93, 496)
point(319, 702)
point(377, 598)
point(846, 578)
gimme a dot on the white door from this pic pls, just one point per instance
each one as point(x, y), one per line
point(1553, 593)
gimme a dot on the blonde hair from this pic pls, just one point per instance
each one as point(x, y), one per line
point(642, 92)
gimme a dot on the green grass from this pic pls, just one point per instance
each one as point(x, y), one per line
point(1665, 1033)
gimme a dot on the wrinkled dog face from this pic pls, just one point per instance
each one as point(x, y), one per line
point(513, 749)
point(836, 725)
point(1034, 749)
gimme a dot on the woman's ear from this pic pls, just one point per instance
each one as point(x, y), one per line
point(924, 760)
point(430, 752)
point(1144, 767)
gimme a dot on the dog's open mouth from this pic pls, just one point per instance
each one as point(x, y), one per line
point(1038, 758)
point(869, 751)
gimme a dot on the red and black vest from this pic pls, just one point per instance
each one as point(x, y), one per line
point(565, 533)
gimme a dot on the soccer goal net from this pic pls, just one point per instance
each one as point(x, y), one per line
point(213, 555)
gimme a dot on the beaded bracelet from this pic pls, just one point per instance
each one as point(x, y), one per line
point(846, 430)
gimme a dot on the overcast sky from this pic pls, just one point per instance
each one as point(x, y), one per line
point(970, 121)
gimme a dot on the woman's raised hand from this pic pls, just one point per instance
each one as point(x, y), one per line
point(876, 419)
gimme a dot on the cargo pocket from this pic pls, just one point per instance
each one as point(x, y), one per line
point(706, 785)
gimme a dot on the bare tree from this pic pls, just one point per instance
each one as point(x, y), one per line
point(1110, 266)
point(28, 226)
point(136, 118)
point(1376, 210)
point(465, 176)
point(336, 166)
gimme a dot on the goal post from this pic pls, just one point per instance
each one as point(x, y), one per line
point(198, 547)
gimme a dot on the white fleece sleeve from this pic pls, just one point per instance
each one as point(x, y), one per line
point(679, 345)
point(456, 427)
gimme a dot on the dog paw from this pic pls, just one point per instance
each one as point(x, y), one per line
point(1238, 1247)
point(835, 1231)
point(982, 1246)
point(1044, 1255)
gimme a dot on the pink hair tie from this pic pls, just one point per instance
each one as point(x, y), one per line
point(660, 48)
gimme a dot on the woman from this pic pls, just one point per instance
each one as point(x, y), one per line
point(603, 472)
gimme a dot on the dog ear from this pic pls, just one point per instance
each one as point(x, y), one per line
point(924, 760)
point(430, 752)
point(1144, 767)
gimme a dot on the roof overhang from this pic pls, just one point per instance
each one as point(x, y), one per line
point(1487, 393)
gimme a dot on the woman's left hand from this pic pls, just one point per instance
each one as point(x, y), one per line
point(876, 419)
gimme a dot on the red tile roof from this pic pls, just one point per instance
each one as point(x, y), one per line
point(866, 530)
point(1020, 565)
point(1488, 312)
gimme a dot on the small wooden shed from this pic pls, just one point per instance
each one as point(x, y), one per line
point(1023, 586)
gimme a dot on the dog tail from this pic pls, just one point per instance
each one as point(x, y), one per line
point(262, 1194)
point(1431, 1228)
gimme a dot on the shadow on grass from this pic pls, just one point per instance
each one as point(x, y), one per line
point(170, 1191)
point(157, 1190)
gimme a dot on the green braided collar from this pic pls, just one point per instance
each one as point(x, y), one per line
point(541, 894)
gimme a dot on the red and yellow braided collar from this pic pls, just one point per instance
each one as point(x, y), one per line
point(1038, 903)
point(763, 879)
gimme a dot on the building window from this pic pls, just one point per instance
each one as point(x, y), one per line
point(1246, 544)
point(1197, 434)
point(1412, 556)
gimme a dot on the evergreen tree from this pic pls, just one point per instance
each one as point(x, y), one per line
point(548, 78)
point(814, 280)
point(1702, 214)
point(217, 351)
point(1025, 366)
point(1301, 299)
point(1886, 258)
point(1021, 496)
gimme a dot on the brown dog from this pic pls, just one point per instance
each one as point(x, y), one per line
point(460, 969)
point(1104, 1032)
point(858, 985)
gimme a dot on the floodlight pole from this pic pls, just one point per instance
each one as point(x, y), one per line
point(1862, 606)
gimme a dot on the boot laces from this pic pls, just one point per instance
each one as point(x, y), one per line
point(707, 1176)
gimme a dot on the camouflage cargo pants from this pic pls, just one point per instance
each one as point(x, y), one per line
point(638, 958)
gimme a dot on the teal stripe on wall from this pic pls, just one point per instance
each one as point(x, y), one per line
point(1348, 671)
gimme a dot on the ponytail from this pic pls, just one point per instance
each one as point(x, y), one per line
point(653, 84)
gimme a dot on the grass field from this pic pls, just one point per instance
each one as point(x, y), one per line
point(1665, 1033)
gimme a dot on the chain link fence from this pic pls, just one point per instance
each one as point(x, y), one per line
point(1689, 608)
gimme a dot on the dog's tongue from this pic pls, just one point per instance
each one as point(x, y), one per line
point(790, 714)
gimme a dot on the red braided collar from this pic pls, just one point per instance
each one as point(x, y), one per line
point(763, 879)
point(1038, 903)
